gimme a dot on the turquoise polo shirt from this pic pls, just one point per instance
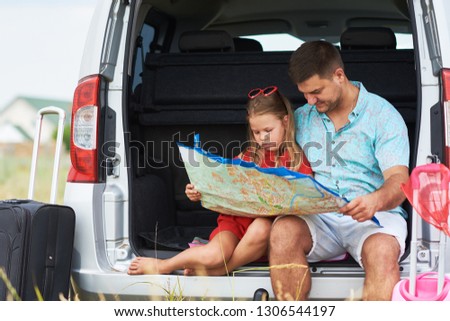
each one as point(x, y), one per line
point(351, 161)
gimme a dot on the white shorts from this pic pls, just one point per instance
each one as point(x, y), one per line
point(334, 234)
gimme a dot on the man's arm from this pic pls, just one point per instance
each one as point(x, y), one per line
point(388, 196)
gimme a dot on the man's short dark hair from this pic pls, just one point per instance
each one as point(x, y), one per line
point(314, 58)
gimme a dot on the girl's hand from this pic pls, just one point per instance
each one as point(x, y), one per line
point(192, 193)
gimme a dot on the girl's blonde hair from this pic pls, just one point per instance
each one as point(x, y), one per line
point(278, 105)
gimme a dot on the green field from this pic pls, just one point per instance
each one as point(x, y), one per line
point(15, 175)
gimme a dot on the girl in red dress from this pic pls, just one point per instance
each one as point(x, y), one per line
point(240, 240)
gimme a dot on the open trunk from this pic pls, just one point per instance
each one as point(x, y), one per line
point(179, 94)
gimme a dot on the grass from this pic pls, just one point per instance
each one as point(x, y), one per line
point(12, 293)
point(15, 165)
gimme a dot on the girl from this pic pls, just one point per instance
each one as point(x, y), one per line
point(240, 240)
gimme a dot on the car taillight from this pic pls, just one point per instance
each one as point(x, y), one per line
point(84, 133)
point(446, 105)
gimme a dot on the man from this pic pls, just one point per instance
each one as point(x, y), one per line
point(358, 146)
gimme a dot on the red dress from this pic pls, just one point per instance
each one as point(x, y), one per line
point(238, 225)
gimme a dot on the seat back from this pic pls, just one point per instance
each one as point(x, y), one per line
point(360, 38)
point(247, 44)
point(206, 41)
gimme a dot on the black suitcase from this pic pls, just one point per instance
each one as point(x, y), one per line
point(36, 238)
point(36, 242)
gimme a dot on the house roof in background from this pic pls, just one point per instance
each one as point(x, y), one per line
point(24, 133)
point(10, 133)
point(39, 103)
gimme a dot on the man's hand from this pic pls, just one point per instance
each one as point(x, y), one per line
point(362, 208)
point(387, 197)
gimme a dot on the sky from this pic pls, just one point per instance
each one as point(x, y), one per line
point(41, 45)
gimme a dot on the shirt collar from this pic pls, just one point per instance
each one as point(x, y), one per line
point(360, 103)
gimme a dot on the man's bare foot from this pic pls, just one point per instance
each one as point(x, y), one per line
point(144, 265)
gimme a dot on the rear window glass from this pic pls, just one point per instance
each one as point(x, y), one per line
point(277, 42)
point(287, 42)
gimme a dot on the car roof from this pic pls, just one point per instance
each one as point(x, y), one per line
point(304, 19)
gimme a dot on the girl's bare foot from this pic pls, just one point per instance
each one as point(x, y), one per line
point(219, 271)
point(206, 272)
point(189, 272)
point(144, 265)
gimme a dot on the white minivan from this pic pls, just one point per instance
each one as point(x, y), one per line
point(157, 72)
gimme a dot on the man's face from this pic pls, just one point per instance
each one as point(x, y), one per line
point(324, 93)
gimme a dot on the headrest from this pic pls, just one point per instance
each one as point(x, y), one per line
point(368, 38)
point(205, 41)
point(246, 44)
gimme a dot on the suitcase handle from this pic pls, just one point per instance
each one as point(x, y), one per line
point(37, 137)
point(429, 168)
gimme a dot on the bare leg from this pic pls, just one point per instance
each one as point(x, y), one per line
point(380, 259)
point(290, 239)
point(212, 255)
point(252, 247)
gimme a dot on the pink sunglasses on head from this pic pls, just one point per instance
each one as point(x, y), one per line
point(265, 92)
